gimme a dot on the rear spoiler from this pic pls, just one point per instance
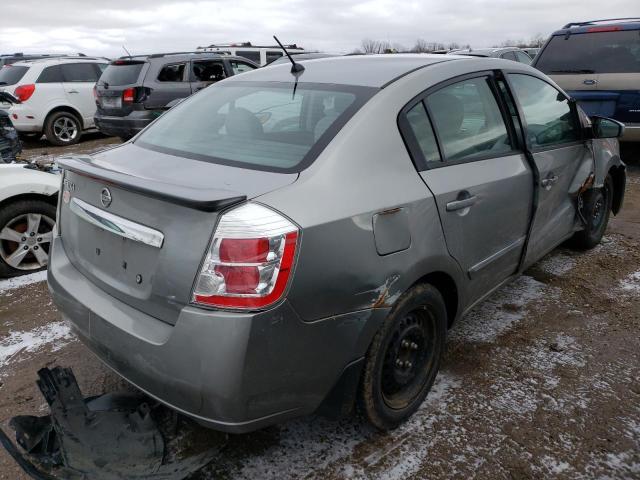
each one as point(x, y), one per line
point(7, 97)
point(206, 200)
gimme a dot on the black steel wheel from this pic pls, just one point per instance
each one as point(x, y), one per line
point(596, 208)
point(404, 358)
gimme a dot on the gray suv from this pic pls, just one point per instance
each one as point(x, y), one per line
point(133, 91)
point(284, 243)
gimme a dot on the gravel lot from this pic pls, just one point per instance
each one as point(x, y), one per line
point(542, 380)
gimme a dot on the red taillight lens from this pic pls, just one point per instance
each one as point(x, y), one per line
point(250, 259)
point(24, 92)
point(129, 95)
point(604, 29)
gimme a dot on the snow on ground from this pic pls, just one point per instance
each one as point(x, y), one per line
point(32, 340)
point(631, 283)
point(557, 264)
point(17, 282)
point(500, 311)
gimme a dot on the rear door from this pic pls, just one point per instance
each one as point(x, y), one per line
point(169, 82)
point(481, 181)
point(554, 138)
point(78, 82)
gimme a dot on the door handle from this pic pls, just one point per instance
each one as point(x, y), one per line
point(590, 81)
point(549, 181)
point(73, 91)
point(460, 204)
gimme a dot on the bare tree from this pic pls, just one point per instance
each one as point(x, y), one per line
point(421, 46)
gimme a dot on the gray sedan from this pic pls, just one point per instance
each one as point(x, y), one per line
point(286, 241)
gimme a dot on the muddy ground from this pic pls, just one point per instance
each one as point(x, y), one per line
point(540, 381)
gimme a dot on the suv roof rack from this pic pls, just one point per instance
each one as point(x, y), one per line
point(249, 45)
point(166, 54)
point(604, 20)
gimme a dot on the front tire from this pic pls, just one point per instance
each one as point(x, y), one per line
point(26, 232)
point(63, 128)
point(404, 358)
point(596, 209)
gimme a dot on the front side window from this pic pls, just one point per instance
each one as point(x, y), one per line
point(79, 72)
point(255, 125)
point(508, 56)
point(468, 120)
point(208, 71)
point(239, 67)
point(547, 112)
point(172, 73)
point(273, 55)
point(423, 132)
point(593, 52)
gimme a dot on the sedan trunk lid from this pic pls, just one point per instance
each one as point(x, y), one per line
point(137, 222)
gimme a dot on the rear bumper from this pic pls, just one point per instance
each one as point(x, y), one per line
point(24, 118)
point(229, 371)
point(631, 133)
point(128, 126)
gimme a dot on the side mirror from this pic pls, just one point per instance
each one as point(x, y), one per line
point(606, 127)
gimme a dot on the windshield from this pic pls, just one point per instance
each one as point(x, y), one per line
point(11, 74)
point(121, 74)
point(264, 126)
point(596, 52)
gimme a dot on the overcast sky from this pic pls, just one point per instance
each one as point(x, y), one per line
point(147, 26)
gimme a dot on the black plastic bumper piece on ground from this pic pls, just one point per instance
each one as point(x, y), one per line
point(110, 437)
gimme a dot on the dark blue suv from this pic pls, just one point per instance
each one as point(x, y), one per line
point(598, 63)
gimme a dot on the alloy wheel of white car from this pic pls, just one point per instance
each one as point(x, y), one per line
point(25, 241)
point(65, 129)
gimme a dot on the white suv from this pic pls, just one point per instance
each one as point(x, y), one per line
point(56, 96)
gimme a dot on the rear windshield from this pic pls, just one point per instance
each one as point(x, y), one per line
point(11, 74)
point(121, 74)
point(259, 125)
point(597, 52)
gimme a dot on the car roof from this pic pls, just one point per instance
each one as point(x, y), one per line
point(361, 70)
point(594, 26)
point(50, 60)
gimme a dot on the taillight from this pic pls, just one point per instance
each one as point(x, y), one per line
point(249, 261)
point(24, 92)
point(129, 95)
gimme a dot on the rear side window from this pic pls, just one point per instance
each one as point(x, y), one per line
point(253, 55)
point(596, 52)
point(11, 74)
point(550, 120)
point(51, 74)
point(172, 73)
point(508, 56)
point(468, 120)
point(239, 67)
point(79, 72)
point(118, 74)
point(423, 132)
point(256, 125)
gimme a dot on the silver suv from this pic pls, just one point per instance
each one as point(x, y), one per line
point(288, 241)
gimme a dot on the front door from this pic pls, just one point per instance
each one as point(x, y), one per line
point(206, 72)
point(555, 140)
point(481, 181)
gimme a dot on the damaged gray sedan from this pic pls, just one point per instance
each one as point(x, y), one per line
point(288, 242)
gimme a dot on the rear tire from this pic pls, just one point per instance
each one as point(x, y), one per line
point(63, 128)
point(596, 210)
point(404, 358)
point(30, 224)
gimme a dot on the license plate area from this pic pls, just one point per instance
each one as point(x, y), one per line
point(111, 102)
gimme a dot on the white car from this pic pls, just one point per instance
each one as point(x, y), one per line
point(56, 96)
point(28, 200)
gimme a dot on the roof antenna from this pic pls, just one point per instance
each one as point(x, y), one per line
point(296, 68)
point(125, 49)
